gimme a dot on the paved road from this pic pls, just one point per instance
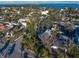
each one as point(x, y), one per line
point(3, 49)
point(11, 50)
point(17, 51)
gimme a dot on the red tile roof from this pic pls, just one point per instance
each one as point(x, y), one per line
point(3, 27)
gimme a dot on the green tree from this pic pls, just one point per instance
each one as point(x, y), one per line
point(74, 51)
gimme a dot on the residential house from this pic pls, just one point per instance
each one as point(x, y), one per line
point(9, 33)
point(1, 18)
point(45, 35)
point(9, 24)
point(54, 47)
point(18, 12)
point(63, 40)
point(24, 21)
point(45, 12)
point(3, 27)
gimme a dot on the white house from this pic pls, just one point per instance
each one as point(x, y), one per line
point(9, 25)
point(9, 34)
point(18, 12)
point(6, 11)
point(54, 47)
point(1, 18)
point(53, 29)
point(61, 11)
point(45, 35)
point(24, 21)
point(45, 12)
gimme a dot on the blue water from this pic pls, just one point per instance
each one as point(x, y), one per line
point(60, 5)
point(44, 5)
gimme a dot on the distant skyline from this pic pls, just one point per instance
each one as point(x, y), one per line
point(38, 2)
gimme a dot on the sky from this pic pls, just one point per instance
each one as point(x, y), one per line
point(36, 2)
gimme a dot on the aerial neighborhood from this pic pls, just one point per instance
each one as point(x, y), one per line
point(39, 32)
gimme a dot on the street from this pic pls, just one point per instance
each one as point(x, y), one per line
point(15, 49)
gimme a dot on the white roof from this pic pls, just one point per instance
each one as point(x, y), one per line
point(52, 29)
point(18, 12)
point(1, 17)
point(54, 47)
point(45, 12)
point(62, 9)
point(24, 24)
point(24, 19)
point(48, 31)
point(20, 20)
